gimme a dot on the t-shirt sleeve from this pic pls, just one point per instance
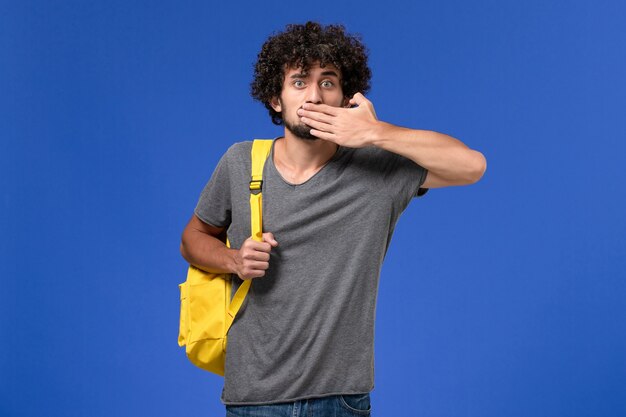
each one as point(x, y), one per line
point(401, 178)
point(214, 206)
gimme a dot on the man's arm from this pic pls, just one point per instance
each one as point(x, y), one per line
point(448, 160)
point(203, 246)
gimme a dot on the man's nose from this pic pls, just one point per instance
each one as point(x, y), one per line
point(314, 94)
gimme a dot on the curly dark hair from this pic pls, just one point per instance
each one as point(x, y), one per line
point(301, 46)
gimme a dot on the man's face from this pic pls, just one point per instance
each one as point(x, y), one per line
point(317, 85)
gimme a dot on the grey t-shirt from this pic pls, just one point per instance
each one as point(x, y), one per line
point(307, 327)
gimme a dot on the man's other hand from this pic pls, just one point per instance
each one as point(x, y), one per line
point(253, 257)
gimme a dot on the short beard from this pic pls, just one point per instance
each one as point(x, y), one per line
point(300, 130)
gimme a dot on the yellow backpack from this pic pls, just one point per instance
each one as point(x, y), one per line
point(206, 309)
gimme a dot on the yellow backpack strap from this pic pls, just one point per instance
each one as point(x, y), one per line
point(260, 151)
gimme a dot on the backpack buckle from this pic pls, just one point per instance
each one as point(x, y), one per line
point(255, 186)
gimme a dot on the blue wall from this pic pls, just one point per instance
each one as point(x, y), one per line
point(505, 298)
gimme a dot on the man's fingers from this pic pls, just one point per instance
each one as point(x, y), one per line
point(252, 273)
point(316, 125)
point(255, 255)
point(316, 115)
point(258, 266)
point(251, 244)
point(252, 268)
point(324, 135)
point(321, 108)
point(358, 99)
point(269, 238)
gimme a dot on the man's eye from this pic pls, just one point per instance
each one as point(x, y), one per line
point(327, 84)
point(298, 83)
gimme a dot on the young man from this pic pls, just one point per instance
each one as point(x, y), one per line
point(334, 187)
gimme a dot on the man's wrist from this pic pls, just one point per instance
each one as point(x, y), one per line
point(382, 132)
point(231, 261)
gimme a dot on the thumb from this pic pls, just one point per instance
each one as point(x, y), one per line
point(269, 238)
point(357, 99)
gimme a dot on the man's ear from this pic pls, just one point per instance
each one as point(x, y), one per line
point(276, 104)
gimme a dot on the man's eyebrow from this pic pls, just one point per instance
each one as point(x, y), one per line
point(306, 74)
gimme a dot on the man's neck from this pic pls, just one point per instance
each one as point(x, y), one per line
point(298, 159)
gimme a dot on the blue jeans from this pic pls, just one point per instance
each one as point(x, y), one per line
point(333, 406)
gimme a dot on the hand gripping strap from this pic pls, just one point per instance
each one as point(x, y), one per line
point(260, 151)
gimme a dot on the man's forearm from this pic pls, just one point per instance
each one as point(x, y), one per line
point(207, 252)
point(440, 154)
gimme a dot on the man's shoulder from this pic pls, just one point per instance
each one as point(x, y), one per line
point(239, 149)
point(240, 152)
point(237, 154)
point(238, 157)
